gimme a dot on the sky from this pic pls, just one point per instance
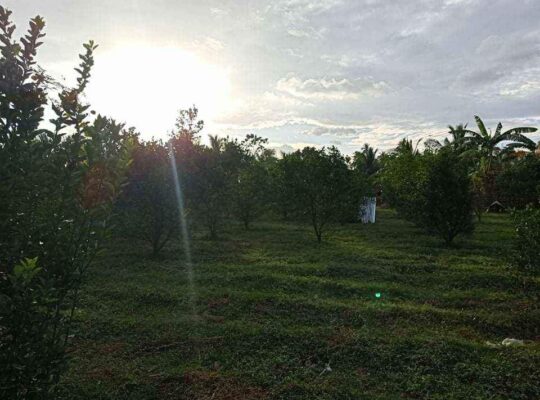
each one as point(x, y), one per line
point(302, 72)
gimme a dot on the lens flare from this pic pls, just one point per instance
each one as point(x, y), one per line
point(184, 231)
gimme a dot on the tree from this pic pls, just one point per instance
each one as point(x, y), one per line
point(402, 179)
point(455, 142)
point(147, 208)
point(321, 185)
point(406, 146)
point(514, 150)
point(252, 185)
point(206, 178)
point(251, 191)
point(56, 192)
point(447, 197)
point(187, 125)
point(519, 182)
point(432, 190)
point(281, 193)
point(457, 136)
point(483, 146)
point(204, 172)
point(366, 160)
point(482, 149)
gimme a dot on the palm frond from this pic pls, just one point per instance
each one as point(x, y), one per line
point(515, 136)
point(521, 130)
point(498, 129)
point(469, 154)
point(481, 126)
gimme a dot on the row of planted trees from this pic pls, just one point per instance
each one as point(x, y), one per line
point(231, 180)
point(64, 189)
point(441, 187)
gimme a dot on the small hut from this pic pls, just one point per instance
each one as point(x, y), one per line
point(496, 207)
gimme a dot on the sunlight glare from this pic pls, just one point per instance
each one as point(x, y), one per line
point(146, 86)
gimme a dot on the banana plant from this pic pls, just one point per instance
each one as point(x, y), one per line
point(484, 146)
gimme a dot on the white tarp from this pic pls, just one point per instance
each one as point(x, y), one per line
point(368, 209)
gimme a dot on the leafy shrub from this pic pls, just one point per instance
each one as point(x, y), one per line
point(432, 190)
point(56, 190)
point(322, 186)
point(147, 209)
point(29, 349)
point(448, 202)
point(206, 173)
point(251, 188)
point(519, 183)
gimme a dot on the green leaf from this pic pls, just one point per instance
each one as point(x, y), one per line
point(26, 270)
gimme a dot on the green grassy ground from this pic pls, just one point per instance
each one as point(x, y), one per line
point(274, 308)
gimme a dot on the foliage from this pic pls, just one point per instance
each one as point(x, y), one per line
point(148, 207)
point(402, 179)
point(366, 160)
point(187, 125)
point(485, 190)
point(321, 185)
point(56, 191)
point(29, 353)
point(57, 188)
point(519, 182)
point(447, 194)
point(251, 189)
point(431, 190)
point(484, 146)
point(281, 193)
point(482, 154)
point(457, 136)
point(407, 147)
point(206, 176)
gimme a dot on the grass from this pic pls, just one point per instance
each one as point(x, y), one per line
point(279, 316)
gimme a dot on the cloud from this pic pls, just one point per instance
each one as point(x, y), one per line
point(294, 53)
point(283, 148)
point(306, 32)
point(208, 44)
point(348, 60)
point(330, 131)
point(218, 12)
point(328, 71)
point(330, 88)
point(509, 63)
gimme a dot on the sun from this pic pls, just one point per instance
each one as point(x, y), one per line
point(146, 86)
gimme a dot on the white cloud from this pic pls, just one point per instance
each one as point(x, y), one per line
point(322, 71)
point(330, 88)
point(331, 131)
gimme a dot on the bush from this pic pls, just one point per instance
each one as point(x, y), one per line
point(519, 183)
point(403, 179)
point(321, 185)
point(55, 194)
point(250, 191)
point(252, 186)
point(148, 208)
point(431, 190)
point(448, 201)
